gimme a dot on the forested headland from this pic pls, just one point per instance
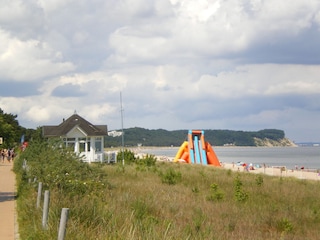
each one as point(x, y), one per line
point(160, 137)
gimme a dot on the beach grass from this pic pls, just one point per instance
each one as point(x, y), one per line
point(168, 200)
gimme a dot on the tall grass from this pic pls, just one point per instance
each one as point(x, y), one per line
point(156, 200)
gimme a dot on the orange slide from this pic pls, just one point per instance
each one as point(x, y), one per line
point(211, 156)
point(196, 150)
point(183, 153)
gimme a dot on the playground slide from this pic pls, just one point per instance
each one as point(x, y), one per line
point(202, 145)
point(211, 156)
point(196, 150)
point(191, 148)
point(182, 150)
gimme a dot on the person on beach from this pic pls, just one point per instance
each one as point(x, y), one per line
point(2, 155)
point(12, 154)
point(245, 167)
point(9, 155)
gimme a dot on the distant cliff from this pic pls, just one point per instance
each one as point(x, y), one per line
point(160, 137)
point(284, 142)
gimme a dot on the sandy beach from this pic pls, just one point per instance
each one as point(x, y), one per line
point(276, 171)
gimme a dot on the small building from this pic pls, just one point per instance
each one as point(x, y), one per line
point(86, 139)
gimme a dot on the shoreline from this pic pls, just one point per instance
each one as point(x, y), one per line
point(276, 171)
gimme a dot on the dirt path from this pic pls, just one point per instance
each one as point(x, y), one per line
point(7, 202)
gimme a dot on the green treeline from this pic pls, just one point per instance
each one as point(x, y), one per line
point(9, 129)
point(11, 132)
point(161, 137)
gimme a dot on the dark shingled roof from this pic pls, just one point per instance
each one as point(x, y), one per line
point(73, 121)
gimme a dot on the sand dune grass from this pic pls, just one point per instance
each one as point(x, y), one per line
point(178, 201)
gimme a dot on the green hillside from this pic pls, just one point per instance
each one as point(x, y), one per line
point(161, 137)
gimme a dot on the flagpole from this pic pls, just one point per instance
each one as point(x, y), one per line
point(121, 109)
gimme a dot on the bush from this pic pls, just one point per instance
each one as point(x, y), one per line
point(127, 155)
point(284, 225)
point(259, 180)
point(171, 176)
point(215, 193)
point(145, 163)
point(58, 168)
point(239, 193)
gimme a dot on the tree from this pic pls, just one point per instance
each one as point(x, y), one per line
point(10, 131)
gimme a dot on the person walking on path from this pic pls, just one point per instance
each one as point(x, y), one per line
point(7, 201)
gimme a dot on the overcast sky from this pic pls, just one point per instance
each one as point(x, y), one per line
point(179, 64)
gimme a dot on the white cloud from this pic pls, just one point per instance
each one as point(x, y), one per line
point(95, 84)
point(29, 60)
point(21, 18)
point(265, 79)
point(130, 47)
point(55, 5)
point(38, 113)
point(197, 11)
point(179, 64)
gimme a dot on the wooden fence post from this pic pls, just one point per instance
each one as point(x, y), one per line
point(45, 209)
point(63, 223)
point(39, 194)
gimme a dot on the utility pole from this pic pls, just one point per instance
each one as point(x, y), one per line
point(121, 109)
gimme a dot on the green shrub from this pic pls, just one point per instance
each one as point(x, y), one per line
point(171, 176)
point(239, 193)
point(284, 225)
point(259, 180)
point(145, 163)
point(58, 168)
point(126, 155)
point(215, 193)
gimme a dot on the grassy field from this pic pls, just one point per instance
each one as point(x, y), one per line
point(160, 200)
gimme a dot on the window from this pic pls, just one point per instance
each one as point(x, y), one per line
point(82, 144)
point(98, 144)
point(70, 143)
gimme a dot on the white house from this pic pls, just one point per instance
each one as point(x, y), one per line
point(85, 138)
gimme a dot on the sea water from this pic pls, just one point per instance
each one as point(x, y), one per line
point(291, 157)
